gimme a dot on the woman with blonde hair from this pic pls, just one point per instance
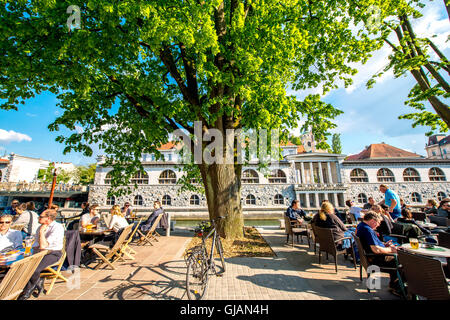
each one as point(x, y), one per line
point(117, 223)
point(431, 207)
point(327, 219)
point(385, 227)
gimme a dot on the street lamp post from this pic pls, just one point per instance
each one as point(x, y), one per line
point(50, 200)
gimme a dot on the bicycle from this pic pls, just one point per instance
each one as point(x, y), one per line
point(200, 265)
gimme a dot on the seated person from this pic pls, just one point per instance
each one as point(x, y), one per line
point(296, 213)
point(403, 205)
point(9, 239)
point(327, 219)
point(355, 211)
point(371, 244)
point(414, 233)
point(444, 208)
point(90, 218)
point(386, 226)
point(11, 210)
point(117, 223)
point(146, 226)
point(369, 204)
point(27, 216)
point(431, 207)
point(49, 236)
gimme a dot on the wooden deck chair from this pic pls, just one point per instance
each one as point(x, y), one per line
point(150, 235)
point(53, 271)
point(126, 250)
point(110, 255)
point(18, 275)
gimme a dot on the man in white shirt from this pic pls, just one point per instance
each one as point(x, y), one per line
point(49, 236)
point(9, 237)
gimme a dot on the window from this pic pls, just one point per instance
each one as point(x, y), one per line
point(385, 175)
point(138, 201)
point(167, 177)
point(441, 195)
point(445, 151)
point(108, 178)
point(166, 200)
point(170, 157)
point(434, 153)
point(250, 176)
point(410, 174)
point(362, 198)
point(358, 175)
point(436, 174)
point(153, 157)
point(250, 199)
point(415, 197)
point(111, 201)
point(277, 176)
point(140, 178)
point(278, 199)
point(195, 200)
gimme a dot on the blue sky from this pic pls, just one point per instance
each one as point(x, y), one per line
point(370, 116)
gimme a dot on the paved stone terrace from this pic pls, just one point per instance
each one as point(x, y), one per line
point(158, 272)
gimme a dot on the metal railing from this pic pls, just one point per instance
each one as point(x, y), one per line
point(320, 186)
point(40, 187)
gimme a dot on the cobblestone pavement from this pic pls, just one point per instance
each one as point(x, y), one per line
point(158, 272)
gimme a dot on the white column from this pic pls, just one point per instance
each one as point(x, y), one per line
point(317, 200)
point(336, 203)
point(338, 171)
point(297, 175)
point(319, 164)
point(311, 167)
point(302, 172)
point(306, 200)
point(330, 176)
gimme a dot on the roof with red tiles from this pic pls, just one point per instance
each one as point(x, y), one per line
point(384, 151)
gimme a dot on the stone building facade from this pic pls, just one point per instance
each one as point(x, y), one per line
point(310, 177)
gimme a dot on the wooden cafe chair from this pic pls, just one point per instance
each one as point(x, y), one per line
point(53, 272)
point(125, 249)
point(109, 255)
point(18, 275)
point(151, 233)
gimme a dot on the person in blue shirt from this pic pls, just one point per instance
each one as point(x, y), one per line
point(392, 200)
point(11, 210)
point(295, 212)
point(372, 244)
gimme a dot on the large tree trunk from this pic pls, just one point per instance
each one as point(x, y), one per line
point(223, 194)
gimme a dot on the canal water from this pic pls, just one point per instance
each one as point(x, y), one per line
point(248, 223)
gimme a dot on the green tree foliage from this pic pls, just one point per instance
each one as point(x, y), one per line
point(411, 54)
point(296, 140)
point(137, 70)
point(46, 175)
point(84, 175)
point(336, 146)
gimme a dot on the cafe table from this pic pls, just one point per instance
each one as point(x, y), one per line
point(7, 260)
point(427, 225)
point(435, 252)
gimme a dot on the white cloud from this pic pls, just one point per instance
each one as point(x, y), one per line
point(12, 136)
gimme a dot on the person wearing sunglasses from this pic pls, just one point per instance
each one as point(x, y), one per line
point(11, 210)
point(50, 237)
point(126, 209)
point(9, 238)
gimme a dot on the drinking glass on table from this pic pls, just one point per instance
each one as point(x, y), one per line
point(414, 243)
point(28, 243)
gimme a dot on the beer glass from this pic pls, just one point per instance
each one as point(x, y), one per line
point(28, 243)
point(414, 243)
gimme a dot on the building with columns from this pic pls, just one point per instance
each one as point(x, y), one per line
point(310, 177)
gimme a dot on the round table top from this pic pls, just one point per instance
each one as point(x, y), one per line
point(426, 224)
point(436, 251)
point(94, 232)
